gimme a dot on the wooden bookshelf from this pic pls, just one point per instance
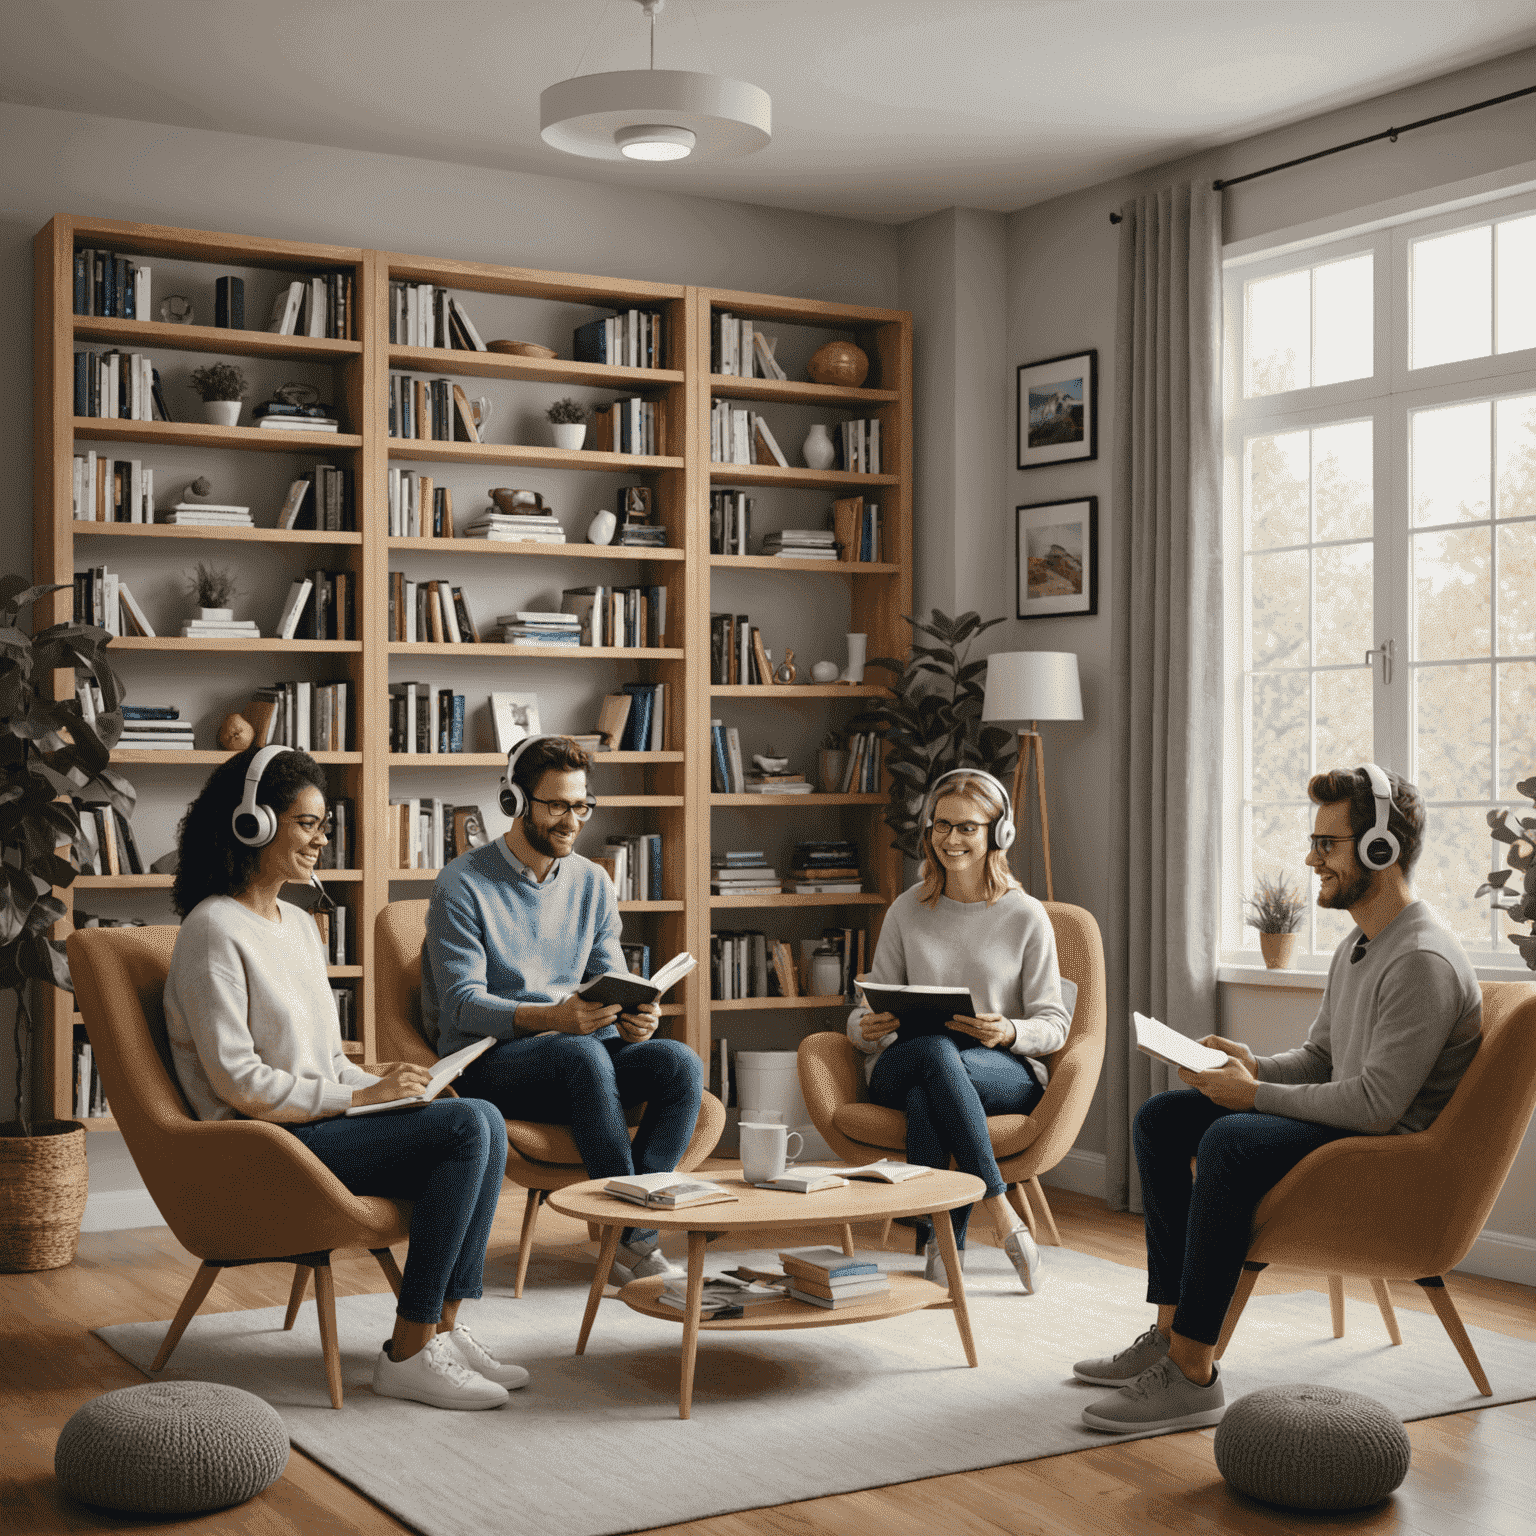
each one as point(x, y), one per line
point(667, 791)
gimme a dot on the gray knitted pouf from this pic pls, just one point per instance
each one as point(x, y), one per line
point(1312, 1448)
point(171, 1448)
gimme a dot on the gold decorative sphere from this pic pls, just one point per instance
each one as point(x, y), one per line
point(839, 362)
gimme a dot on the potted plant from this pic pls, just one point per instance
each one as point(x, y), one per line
point(1278, 908)
point(49, 753)
point(223, 387)
point(1519, 902)
point(569, 420)
point(212, 590)
point(831, 761)
point(932, 719)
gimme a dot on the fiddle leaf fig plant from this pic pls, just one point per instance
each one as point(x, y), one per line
point(1517, 898)
point(932, 720)
point(51, 755)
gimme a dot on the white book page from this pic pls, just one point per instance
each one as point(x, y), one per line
point(1167, 1045)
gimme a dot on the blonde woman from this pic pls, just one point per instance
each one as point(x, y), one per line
point(967, 923)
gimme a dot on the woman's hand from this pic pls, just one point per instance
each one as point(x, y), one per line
point(876, 1026)
point(992, 1029)
point(641, 1024)
point(1234, 1048)
point(406, 1080)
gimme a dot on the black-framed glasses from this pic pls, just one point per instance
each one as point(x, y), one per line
point(558, 809)
point(1322, 842)
point(309, 825)
point(942, 829)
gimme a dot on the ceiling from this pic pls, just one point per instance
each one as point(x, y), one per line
point(883, 109)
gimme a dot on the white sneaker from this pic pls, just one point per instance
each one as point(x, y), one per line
point(640, 1264)
point(1024, 1256)
point(479, 1359)
point(434, 1376)
point(933, 1268)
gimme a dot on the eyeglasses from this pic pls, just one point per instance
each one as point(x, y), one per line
point(580, 809)
point(309, 825)
point(942, 829)
point(1322, 844)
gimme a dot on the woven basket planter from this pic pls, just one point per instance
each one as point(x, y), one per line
point(42, 1194)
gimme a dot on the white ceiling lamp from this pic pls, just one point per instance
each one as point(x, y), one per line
point(655, 114)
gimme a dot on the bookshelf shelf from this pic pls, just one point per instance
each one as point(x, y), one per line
point(213, 338)
point(232, 535)
point(123, 882)
point(537, 551)
point(542, 652)
point(795, 391)
point(176, 643)
point(789, 693)
point(199, 434)
point(796, 479)
point(804, 899)
point(764, 1004)
point(541, 370)
point(639, 802)
point(804, 567)
point(787, 802)
point(498, 759)
point(521, 455)
point(199, 758)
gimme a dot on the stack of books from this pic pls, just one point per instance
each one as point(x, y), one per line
point(540, 627)
point(208, 514)
point(832, 866)
point(643, 535)
point(742, 873)
point(721, 1296)
point(802, 544)
point(776, 784)
point(826, 1277)
point(279, 415)
point(517, 527)
point(221, 629)
point(158, 727)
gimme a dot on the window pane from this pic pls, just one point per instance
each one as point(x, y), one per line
point(1517, 591)
point(1344, 722)
point(1279, 333)
point(1279, 847)
point(1517, 284)
point(1450, 594)
point(1452, 306)
point(1450, 464)
point(1342, 573)
point(1517, 727)
point(1453, 862)
point(1454, 760)
point(1344, 316)
point(1341, 481)
point(1278, 616)
point(1280, 737)
point(1516, 439)
point(1276, 490)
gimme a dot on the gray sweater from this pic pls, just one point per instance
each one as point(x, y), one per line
point(1395, 1032)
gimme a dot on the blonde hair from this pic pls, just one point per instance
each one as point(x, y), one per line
point(997, 878)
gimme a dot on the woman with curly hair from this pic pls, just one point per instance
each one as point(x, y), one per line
point(254, 1034)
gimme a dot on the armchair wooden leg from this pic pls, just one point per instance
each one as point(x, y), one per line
point(1336, 1303)
point(202, 1283)
point(1245, 1284)
point(1445, 1309)
point(1020, 1202)
point(296, 1295)
point(1045, 1205)
point(1388, 1316)
point(325, 1305)
point(885, 1231)
point(525, 1242)
point(391, 1269)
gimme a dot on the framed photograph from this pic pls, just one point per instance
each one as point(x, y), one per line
point(1058, 408)
point(1058, 558)
point(514, 715)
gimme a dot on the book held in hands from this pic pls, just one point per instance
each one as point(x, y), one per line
point(1155, 1039)
point(629, 990)
point(920, 1010)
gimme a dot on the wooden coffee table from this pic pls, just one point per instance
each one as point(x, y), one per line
point(933, 1195)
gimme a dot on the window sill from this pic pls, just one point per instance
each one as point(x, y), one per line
point(1314, 981)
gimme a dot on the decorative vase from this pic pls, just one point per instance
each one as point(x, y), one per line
point(222, 413)
point(839, 362)
point(817, 449)
point(42, 1195)
point(857, 648)
point(824, 672)
point(600, 530)
point(1276, 949)
point(216, 615)
point(569, 434)
point(830, 766)
point(826, 971)
point(236, 734)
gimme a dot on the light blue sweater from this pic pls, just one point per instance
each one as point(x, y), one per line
point(496, 938)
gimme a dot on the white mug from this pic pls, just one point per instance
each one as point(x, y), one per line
point(765, 1151)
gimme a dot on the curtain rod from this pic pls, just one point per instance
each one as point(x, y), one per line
point(1389, 133)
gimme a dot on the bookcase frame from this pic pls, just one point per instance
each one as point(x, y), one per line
point(676, 791)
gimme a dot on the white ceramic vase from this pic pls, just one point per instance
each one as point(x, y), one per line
point(857, 649)
point(569, 434)
point(222, 413)
point(817, 449)
point(600, 529)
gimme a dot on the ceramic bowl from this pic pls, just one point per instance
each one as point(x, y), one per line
point(521, 348)
point(839, 362)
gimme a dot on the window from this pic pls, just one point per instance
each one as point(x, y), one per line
point(1381, 548)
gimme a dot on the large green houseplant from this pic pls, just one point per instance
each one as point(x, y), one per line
point(932, 720)
point(1519, 899)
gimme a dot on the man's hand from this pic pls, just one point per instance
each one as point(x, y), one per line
point(1232, 1086)
point(574, 1016)
point(641, 1024)
point(876, 1026)
point(1231, 1048)
point(991, 1029)
point(407, 1079)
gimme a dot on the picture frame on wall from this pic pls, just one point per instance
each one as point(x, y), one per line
point(514, 716)
point(1057, 555)
point(1058, 410)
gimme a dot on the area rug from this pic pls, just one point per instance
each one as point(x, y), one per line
point(593, 1444)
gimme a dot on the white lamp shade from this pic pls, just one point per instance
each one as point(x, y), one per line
point(727, 118)
point(1033, 685)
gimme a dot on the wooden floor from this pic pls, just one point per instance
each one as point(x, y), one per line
point(1473, 1474)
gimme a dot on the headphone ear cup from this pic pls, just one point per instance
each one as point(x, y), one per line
point(1381, 852)
point(1003, 833)
point(256, 827)
point(513, 802)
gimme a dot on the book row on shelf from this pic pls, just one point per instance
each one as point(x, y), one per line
point(434, 410)
point(418, 506)
point(738, 435)
point(104, 490)
point(423, 316)
point(108, 490)
point(346, 1011)
point(414, 726)
point(88, 1098)
point(310, 716)
point(743, 872)
point(634, 866)
point(433, 611)
point(634, 617)
point(106, 844)
point(426, 832)
point(124, 385)
point(335, 927)
point(738, 349)
point(313, 306)
point(747, 963)
point(637, 958)
point(634, 425)
point(634, 338)
point(102, 598)
point(110, 285)
point(736, 651)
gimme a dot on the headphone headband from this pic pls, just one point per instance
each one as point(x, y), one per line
point(1378, 848)
point(1000, 830)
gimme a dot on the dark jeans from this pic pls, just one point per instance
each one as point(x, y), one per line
point(450, 1158)
point(588, 1083)
point(1198, 1227)
point(947, 1085)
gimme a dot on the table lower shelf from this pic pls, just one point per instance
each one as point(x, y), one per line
point(908, 1293)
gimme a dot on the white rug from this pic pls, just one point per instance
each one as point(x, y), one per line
point(593, 1444)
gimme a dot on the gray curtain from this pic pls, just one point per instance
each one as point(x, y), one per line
point(1166, 628)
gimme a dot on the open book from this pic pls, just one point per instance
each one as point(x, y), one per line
point(921, 1010)
point(885, 1171)
point(668, 1191)
point(629, 991)
point(1156, 1040)
point(447, 1069)
point(804, 1181)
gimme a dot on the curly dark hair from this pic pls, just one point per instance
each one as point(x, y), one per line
point(557, 754)
point(211, 860)
point(1405, 815)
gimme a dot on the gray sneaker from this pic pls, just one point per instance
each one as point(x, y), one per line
point(1122, 1369)
point(1162, 1397)
point(640, 1264)
point(933, 1266)
point(1025, 1258)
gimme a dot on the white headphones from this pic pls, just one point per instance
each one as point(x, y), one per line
point(1001, 830)
point(1378, 849)
point(256, 825)
point(514, 798)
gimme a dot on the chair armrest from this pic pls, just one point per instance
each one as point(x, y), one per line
point(831, 1074)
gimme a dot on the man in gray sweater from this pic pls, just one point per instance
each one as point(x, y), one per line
point(1400, 1021)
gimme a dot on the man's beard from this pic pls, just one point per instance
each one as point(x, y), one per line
point(541, 842)
point(1345, 896)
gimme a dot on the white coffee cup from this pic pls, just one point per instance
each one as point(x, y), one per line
point(765, 1151)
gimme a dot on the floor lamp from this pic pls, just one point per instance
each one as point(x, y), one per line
point(1033, 686)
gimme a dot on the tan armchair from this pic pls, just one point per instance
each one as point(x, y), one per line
point(541, 1158)
point(1408, 1207)
point(832, 1080)
point(233, 1192)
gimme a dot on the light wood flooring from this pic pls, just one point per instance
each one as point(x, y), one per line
point(1473, 1474)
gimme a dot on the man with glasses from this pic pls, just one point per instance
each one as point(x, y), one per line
point(513, 929)
point(1400, 1021)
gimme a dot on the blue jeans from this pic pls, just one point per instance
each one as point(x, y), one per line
point(947, 1085)
point(1198, 1228)
point(450, 1158)
point(588, 1082)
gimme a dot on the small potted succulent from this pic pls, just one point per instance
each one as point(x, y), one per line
point(1278, 908)
point(569, 419)
point(223, 388)
point(212, 590)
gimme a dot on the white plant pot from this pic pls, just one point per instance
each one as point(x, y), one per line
point(817, 449)
point(222, 413)
point(216, 615)
point(569, 434)
point(857, 649)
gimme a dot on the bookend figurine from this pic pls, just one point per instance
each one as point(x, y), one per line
point(176, 309)
point(787, 671)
